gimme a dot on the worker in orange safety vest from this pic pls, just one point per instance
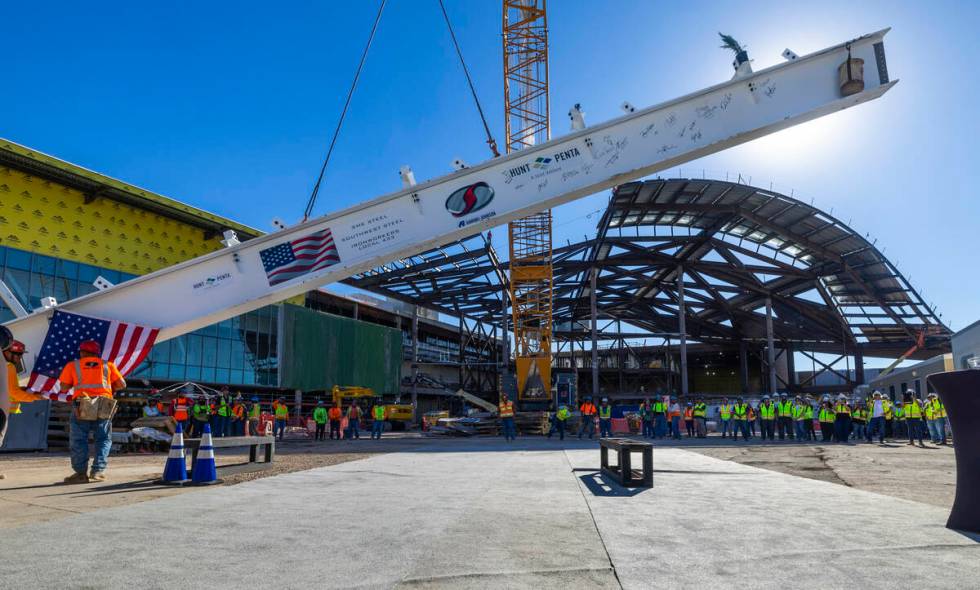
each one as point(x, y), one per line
point(335, 415)
point(589, 412)
point(90, 377)
point(506, 411)
point(11, 393)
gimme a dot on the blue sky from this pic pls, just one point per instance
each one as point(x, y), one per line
point(229, 106)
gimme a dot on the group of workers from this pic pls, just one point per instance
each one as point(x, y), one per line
point(839, 420)
point(227, 416)
point(334, 416)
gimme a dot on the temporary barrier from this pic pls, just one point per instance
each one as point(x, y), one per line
point(322, 350)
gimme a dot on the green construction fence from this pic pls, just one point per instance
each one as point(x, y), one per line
point(322, 350)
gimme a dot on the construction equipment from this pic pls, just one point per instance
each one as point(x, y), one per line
point(527, 116)
point(343, 392)
point(920, 342)
point(477, 401)
point(245, 276)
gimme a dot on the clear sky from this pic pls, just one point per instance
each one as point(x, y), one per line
point(229, 106)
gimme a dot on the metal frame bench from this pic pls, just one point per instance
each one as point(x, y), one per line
point(623, 471)
point(231, 442)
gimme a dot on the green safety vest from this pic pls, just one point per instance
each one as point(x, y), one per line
point(798, 412)
point(222, 408)
point(255, 412)
point(320, 415)
point(563, 414)
point(913, 410)
point(741, 411)
point(826, 415)
point(767, 412)
point(605, 411)
point(379, 412)
point(808, 412)
point(200, 412)
point(282, 412)
point(700, 410)
point(658, 408)
point(785, 409)
point(726, 411)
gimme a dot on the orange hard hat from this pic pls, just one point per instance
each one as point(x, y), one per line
point(90, 346)
point(17, 347)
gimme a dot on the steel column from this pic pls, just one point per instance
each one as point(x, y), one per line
point(595, 343)
point(770, 345)
point(682, 327)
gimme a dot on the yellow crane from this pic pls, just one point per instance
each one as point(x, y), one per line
point(527, 120)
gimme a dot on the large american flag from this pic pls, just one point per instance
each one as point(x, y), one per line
point(299, 257)
point(126, 345)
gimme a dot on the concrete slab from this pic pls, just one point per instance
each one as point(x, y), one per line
point(709, 523)
point(485, 514)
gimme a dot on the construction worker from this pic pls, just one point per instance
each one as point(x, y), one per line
point(222, 413)
point(280, 414)
point(506, 410)
point(689, 419)
point(320, 419)
point(93, 380)
point(826, 418)
point(149, 409)
point(675, 417)
point(808, 416)
point(561, 419)
point(913, 417)
point(701, 418)
point(740, 415)
point(254, 416)
point(899, 428)
point(646, 418)
point(767, 413)
point(784, 417)
point(605, 418)
point(12, 395)
point(799, 418)
point(875, 415)
point(589, 412)
point(236, 425)
point(725, 418)
point(181, 412)
point(335, 416)
point(659, 417)
point(753, 415)
point(378, 425)
point(859, 419)
point(842, 419)
point(936, 419)
point(354, 421)
point(200, 411)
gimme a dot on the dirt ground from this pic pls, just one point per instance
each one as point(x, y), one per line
point(925, 475)
point(32, 490)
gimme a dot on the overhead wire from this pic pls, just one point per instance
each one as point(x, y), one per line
point(336, 133)
point(490, 140)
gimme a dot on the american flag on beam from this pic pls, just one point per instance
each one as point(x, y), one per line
point(126, 345)
point(299, 257)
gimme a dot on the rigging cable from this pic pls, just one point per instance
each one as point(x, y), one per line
point(490, 140)
point(343, 113)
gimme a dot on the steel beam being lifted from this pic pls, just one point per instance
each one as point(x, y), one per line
point(235, 280)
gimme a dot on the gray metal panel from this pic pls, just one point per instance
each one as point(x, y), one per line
point(28, 431)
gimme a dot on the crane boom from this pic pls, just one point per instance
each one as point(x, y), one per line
point(232, 281)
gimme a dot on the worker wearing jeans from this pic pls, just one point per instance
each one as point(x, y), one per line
point(101, 431)
point(378, 426)
point(605, 419)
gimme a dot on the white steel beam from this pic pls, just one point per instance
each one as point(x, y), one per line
point(233, 280)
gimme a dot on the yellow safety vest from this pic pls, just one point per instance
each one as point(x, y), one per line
point(605, 412)
point(913, 410)
point(741, 411)
point(726, 411)
point(767, 412)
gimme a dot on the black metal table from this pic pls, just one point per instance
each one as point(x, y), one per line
point(623, 471)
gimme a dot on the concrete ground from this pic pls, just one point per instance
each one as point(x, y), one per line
point(481, 513)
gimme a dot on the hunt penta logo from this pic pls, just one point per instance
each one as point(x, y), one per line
point(469, 199)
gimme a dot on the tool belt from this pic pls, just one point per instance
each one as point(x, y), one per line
point(95, 408)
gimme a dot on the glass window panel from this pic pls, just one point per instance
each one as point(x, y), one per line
point(225, 329)
point(177, 372)
point(178, 350)
point(67, 269)
point(209, 351)
point(224, 353)
point(194, 349)
point(43, 264)
point(87, 274)
point(208, 375)
point(18, 259)
point(222, 376)
point(249, 378)
point(112, 276)
point(193, 373)
point(237, 377)
point(211, 330)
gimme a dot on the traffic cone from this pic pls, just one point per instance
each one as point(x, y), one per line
point(205, 472)
point(175, 471)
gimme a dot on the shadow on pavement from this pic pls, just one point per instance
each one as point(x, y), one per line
point(602, 486)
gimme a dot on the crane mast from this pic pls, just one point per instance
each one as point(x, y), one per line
point(527, 120)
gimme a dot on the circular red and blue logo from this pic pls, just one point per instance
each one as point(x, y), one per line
point(469, 199)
